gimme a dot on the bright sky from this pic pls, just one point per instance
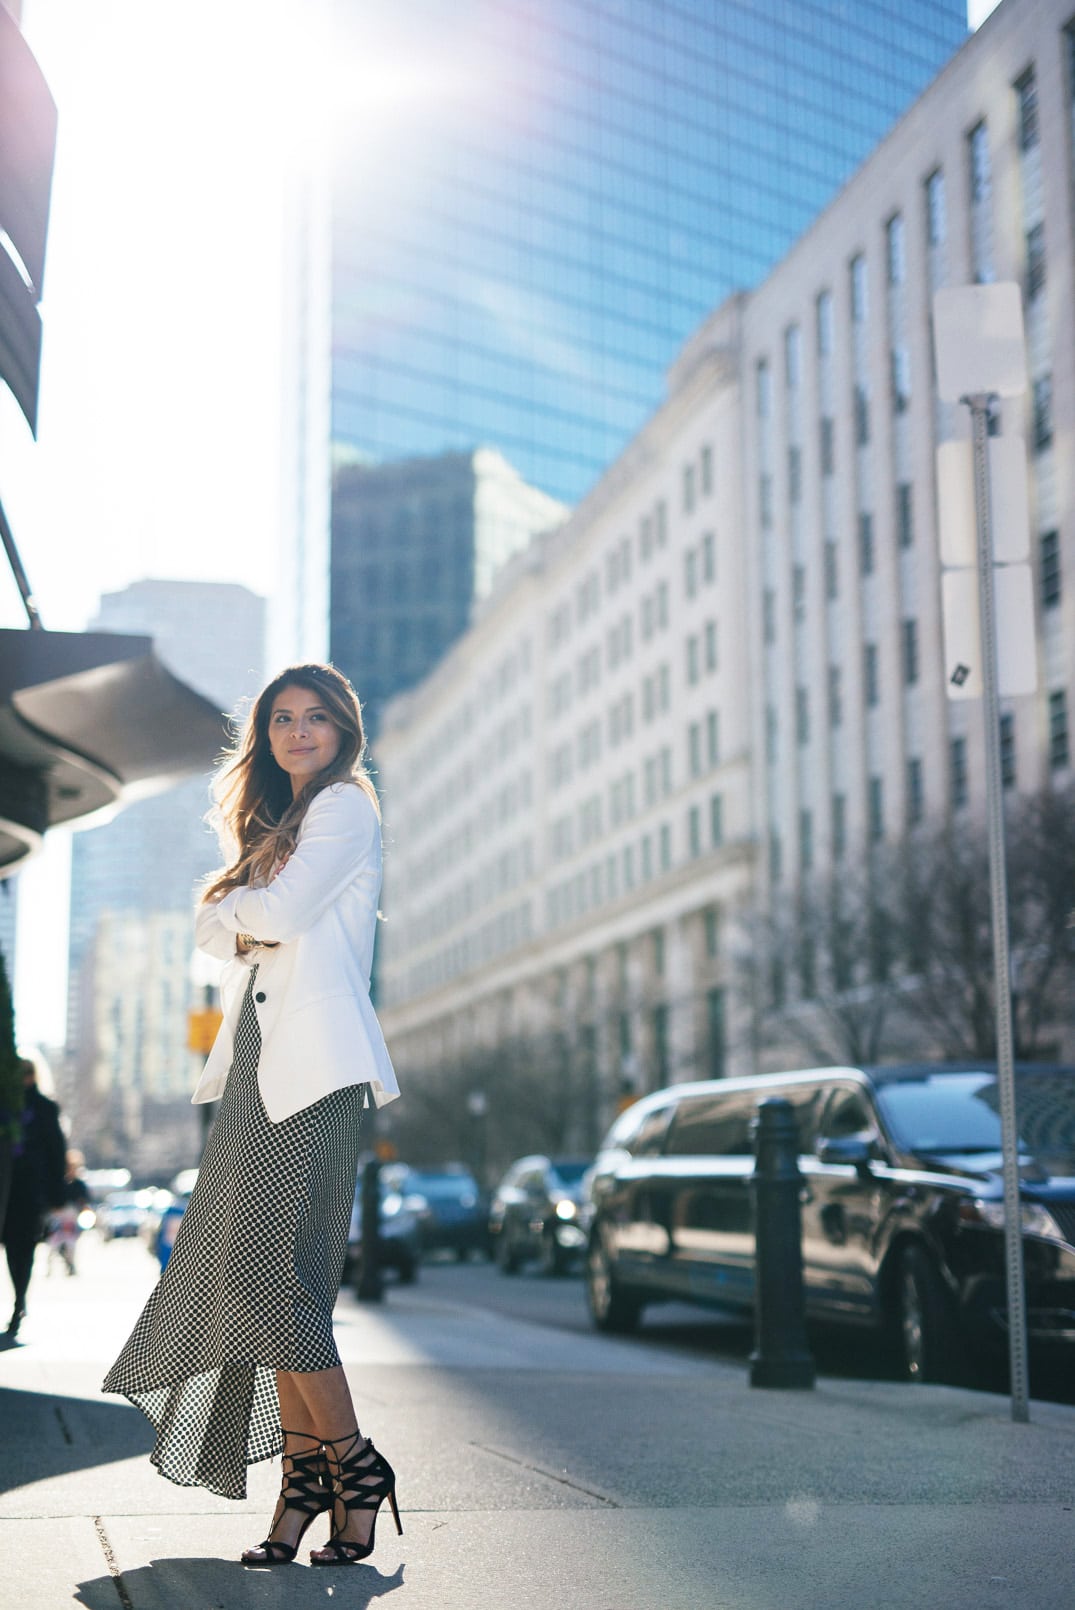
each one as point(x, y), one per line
point(157, 451)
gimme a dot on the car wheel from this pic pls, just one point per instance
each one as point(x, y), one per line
point(408, 1271)
point(507, 1253)
point(552, 1255)
point(611, 1309)
point(927, 1333)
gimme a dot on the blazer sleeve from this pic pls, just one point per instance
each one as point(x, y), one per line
point(211, 935)
point(339, 839)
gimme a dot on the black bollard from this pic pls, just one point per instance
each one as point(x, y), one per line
point(781, 1356)
point(369, 1287)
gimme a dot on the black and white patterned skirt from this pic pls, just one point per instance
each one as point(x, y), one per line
point(252, 1280)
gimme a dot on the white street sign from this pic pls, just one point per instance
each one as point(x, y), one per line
point(978, 341)
point(1017, 654)
point(1009, 497)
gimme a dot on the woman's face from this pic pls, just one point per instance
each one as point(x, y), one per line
point(302, 737)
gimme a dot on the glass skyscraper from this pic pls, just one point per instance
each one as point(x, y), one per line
point(536, 201)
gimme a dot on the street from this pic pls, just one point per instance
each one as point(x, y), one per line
point(539, 1463)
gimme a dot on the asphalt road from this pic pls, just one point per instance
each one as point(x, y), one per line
point(839, 1352)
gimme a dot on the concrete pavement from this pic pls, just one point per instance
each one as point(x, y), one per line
point(539, 1468)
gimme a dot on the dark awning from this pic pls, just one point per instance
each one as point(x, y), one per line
point(90, 720)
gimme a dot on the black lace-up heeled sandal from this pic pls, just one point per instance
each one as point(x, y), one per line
point(307, 1486)
point(361, 1479)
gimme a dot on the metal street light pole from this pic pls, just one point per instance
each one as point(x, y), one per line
point(978, 403)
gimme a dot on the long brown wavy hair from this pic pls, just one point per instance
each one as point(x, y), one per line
point(253, 812)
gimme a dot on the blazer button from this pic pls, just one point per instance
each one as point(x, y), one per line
point(260, 996)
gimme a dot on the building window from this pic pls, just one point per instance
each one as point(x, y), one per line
point(802, 716)
point(1026, 90)
point(981, 185)
point(711, 919)
point(765, 390)
point(915, 795)
point(1035, 261)
point(1050, 569)
point(712, 737)
point(900, 373)
point(792, 356)
point(1059, 753)
point(910, 652)
point(904, 515)
point(839, 826)
point(716, 820)
point(832, 571)
point(765, 501)
point(666, 846)
point(770, 733)
point(715, 1016)
point(806, 841)
point(824, 324)
point(866, 543)
point(660, 1045)
point(1007, 749)
point(958, 770)
point(694, 749)
point(768, 615)
point(876, 807)
point(707, 470)
point(709, 557)
point(688, 488)
point(1043, 412)
point(896, 252)
point(690, 572)
point(694, 830)
point(936, 209)
point(862, 416)
point(661, 523)
point(692, 660)
point(836, 701)
point(710, 645)
point(795, 474)
point(828, 446)
point(859, 290)
point(870, 674)
point(798, 591)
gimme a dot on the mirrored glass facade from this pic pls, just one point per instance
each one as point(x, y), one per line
point(536, 201)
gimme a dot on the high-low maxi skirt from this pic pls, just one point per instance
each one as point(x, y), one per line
point(252, 1280)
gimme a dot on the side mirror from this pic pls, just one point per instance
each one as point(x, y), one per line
point(851, 1150)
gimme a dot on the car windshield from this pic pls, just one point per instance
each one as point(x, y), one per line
point(569, 1173)
point(960, 1112)
point(448, 1186)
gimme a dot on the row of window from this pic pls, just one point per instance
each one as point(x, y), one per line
point(959, 787)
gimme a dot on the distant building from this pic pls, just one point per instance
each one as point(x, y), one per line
point(532, 206)
point(724, 675)
point(414, 545)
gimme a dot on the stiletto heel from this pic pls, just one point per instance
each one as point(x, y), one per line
point(307, 1486)
point(360, 1480)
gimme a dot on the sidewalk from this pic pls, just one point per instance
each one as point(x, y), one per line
point(539, 1469)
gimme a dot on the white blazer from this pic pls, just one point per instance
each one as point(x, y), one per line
point(319, 1031)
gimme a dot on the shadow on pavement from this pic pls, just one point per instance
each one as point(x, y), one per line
point(206, 1582)
point(49, 1435)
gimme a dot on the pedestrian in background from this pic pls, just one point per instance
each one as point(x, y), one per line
point(65, 1225)
point(37, 1186)
point(233, 1359)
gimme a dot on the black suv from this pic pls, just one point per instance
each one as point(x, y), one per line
point(902, 1204)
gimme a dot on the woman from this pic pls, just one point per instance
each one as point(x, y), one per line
point(236, 1341)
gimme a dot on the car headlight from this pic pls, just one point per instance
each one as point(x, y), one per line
point(1036, 1219)
point(566, 1209)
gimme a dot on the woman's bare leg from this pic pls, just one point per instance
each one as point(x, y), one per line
point(301, 1436)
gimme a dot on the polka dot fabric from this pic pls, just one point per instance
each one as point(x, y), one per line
point(252, 1280)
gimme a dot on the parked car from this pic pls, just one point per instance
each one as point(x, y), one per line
point(122, 1214)
point(902, 1205)
point(455, 1214)
point(535, 1214)
point(399, 1244)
